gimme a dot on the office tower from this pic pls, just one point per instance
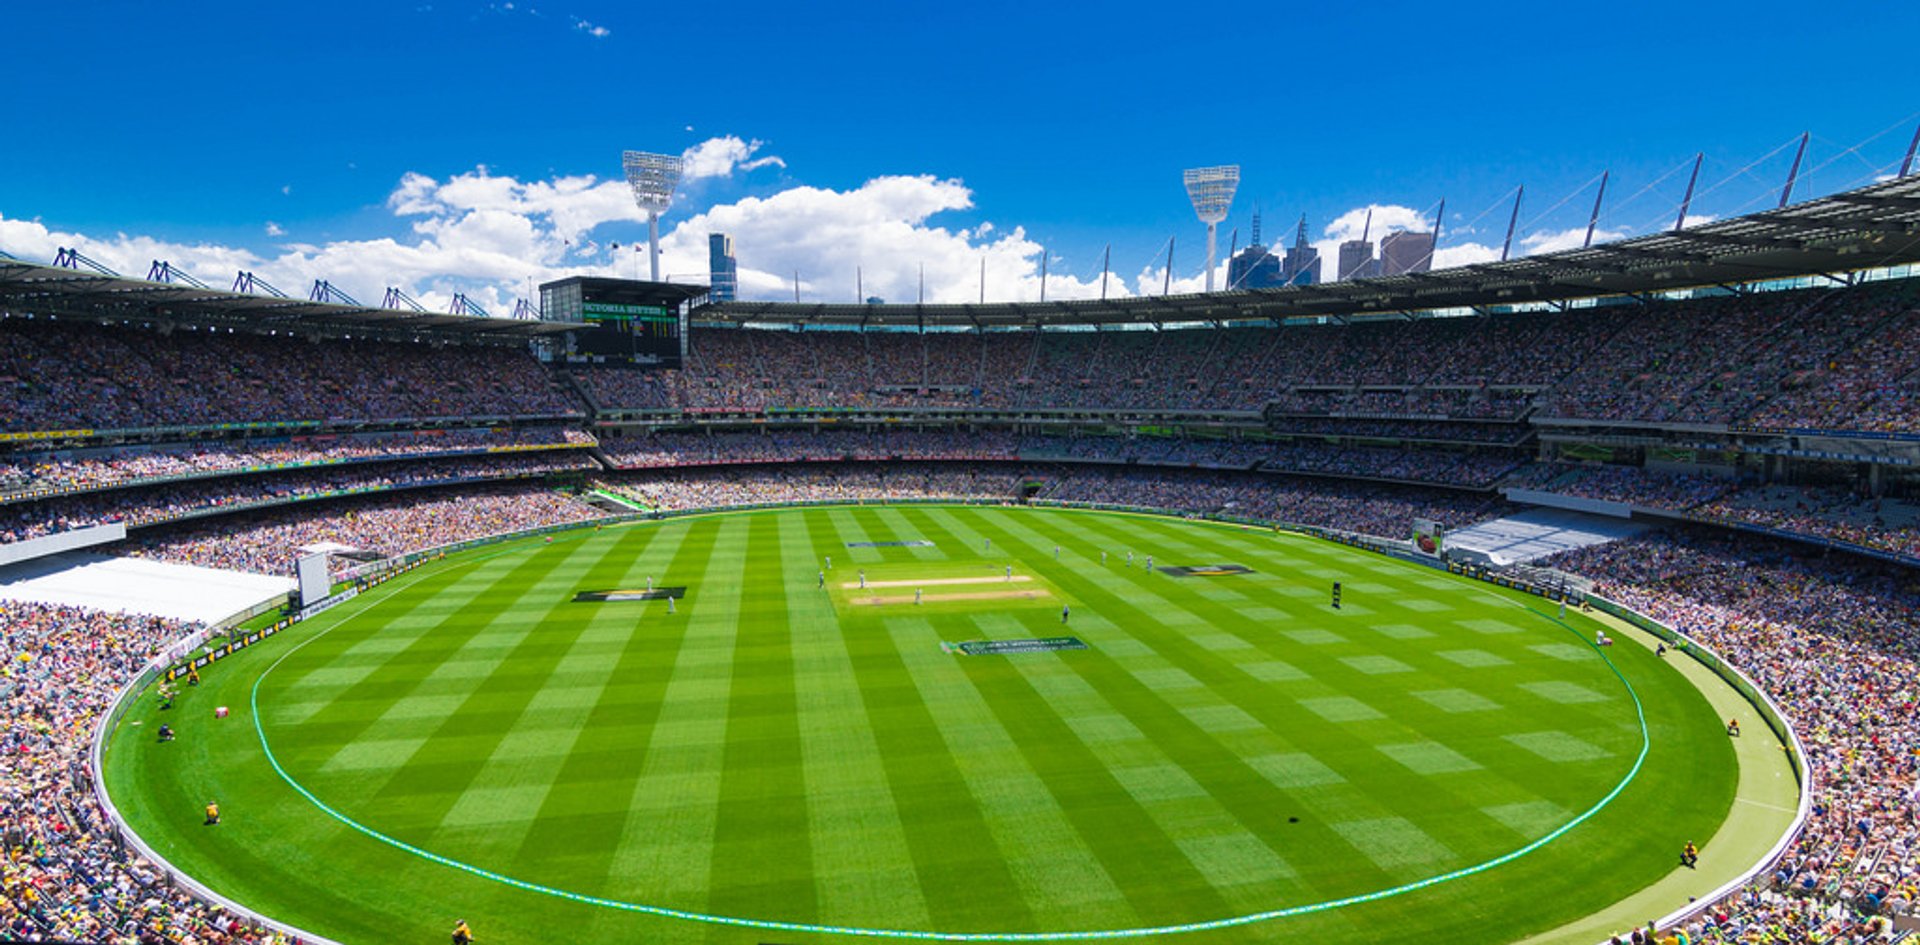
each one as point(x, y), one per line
point(1404, 252)
point(1302, 263)
point(1356, 256)
point(723, 270)
point(1254, 267)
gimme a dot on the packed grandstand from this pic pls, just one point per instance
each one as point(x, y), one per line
point(1769, 437)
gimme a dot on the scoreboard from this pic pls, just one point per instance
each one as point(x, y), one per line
point(637, 334)
point(627, 323)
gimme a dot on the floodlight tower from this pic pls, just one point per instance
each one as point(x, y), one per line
point(653, 177)
point(1211, 190)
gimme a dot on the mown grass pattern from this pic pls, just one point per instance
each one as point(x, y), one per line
point(1229, 745)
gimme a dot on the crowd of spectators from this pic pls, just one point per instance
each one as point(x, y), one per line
point(1167, 451)
point(703, 449)
point(74, 471)
point(714, 488)
point(1380, 509)
point(1873, 385)
point(57, 375)
point(1433, 404)
point(1844, 515)
point(1450, 431)
point(1473, 469)
point(1883, 524)
point(1835, 642)
point(266, 541)
point(1804, 359)
point(1443, 467)
point(1633, 485)
point(137, 507)
point(65, 874)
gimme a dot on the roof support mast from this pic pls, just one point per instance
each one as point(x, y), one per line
point(1907, 165)
point(1512, 222)
point(1786, 193)
point(1439, 217)
point(1166, 282)
point(1687, 201)
point(1594, 220)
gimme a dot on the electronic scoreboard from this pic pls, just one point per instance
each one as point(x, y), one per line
point(627, 323)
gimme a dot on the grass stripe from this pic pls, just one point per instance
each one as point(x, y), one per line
point(1327, 805)
point(586, 812)
point(862, 864)
point(762, 859)
point(944, 817)
point(1152, 705)
point(666, 844)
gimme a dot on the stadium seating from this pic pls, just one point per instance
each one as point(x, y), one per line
point(1384, 510)
point(1360, 427)
point(1788, 360)
point(1837, 645)
point(159, 503)
point(49, 473)
point(64, 376)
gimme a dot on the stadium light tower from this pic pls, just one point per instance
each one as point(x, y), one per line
point(653, 177)
point(1211, 190)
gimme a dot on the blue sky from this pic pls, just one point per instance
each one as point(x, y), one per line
point(346, 140)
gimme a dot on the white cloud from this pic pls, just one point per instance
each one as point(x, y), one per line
point(1452, 252)
point(493, 237)
point(570, 205)
point(1351, 225)
point(1387, 218)
point(877, 235)
point(1461, 254)
point(1152, 280)
point(720, 157)
point(1552, 241)
point(597, 32)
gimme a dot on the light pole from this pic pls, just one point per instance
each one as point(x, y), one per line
point(1211, 190)
point(653, 177)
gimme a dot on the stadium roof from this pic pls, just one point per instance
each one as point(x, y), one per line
point(1871, 227)
point(30, 288)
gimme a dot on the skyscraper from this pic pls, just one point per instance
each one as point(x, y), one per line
point(1356, 256)
point(723, 270)
point(1404, 252)
point(1254, 267)
point(1356, 260)
point(1302, 264)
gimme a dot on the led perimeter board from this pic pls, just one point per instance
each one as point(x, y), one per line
point(629, 323)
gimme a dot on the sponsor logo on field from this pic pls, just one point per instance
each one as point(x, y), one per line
point(1003, 647)
point(620, 596)
point(1205, 570)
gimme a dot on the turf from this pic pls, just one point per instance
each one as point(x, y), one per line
point(1226, 745)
